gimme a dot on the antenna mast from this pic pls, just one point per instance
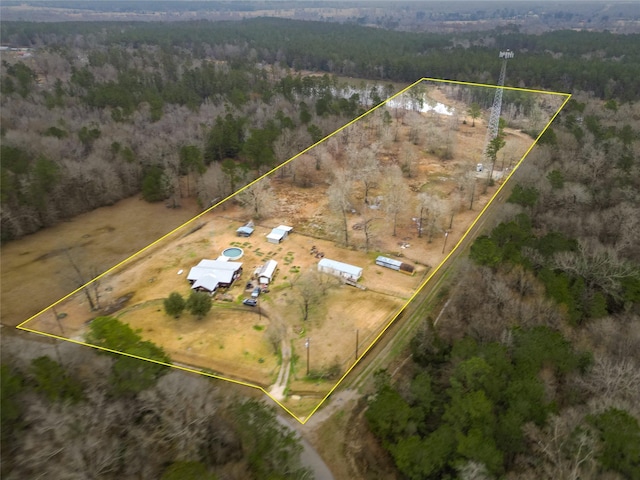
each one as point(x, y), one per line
point(494, 119)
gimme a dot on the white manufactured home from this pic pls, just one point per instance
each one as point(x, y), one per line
point(339, 269)
point(266, 273)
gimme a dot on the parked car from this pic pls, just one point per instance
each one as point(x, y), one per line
point(255, 293)
point(251, 302)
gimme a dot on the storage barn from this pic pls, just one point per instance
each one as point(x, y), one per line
point(339, 269)
point(394, 264)
point(278, 234)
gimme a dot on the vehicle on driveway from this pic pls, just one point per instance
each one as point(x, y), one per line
point(251, 302)
point(255, 293)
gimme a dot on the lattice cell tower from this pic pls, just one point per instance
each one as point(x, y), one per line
point(494, 119)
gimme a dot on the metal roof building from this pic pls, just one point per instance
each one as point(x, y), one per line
point(388, 262)
point(278, 234)
point(244, 231)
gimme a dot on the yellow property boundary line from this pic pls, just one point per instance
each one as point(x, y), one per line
point(303, 420)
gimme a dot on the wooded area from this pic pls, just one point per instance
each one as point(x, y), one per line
point(89, 415)
point(98, 111)
point(533, 364)
point(531, 370)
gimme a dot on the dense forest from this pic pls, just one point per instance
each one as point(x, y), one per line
point(529, 370)
point(83, 127)
point(562, 60)
point(532, 368)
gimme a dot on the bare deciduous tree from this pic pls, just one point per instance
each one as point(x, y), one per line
point(466, 181)
point(303, 171)
point(431, 209)
point(339, 193)
point(363, 167)
point(81, 278)
point(613, 380)
point(308, 293)
point(597, 265)
point(368, 227)
point(567, 445)
point(396, 195)
point(258, 198)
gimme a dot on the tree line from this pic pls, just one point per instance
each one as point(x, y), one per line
point(559, 60)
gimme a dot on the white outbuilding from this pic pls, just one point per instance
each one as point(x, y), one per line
point(278, 234)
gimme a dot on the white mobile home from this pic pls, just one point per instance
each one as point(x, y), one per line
point(267, 272)
point(339, 269)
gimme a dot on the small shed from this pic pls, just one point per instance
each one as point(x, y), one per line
point(394, 264)
point(267, 272)
point(339, 269)
point(244, 231)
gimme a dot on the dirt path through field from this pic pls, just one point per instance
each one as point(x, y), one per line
point(277, 390)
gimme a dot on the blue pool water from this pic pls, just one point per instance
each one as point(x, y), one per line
point(233, 253)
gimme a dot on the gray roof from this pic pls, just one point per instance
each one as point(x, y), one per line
point(277, 234)
point(208, 282)
point(222, 271)
point(220, 264)
point(196, 272)
point(389, 261)
point(245, 229)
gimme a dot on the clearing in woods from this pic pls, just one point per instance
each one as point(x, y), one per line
point(402, 181)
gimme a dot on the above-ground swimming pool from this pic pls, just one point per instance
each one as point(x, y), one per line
point(233, 253)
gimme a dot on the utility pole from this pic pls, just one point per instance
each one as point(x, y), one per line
point(306, 344)
point(357, 334)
